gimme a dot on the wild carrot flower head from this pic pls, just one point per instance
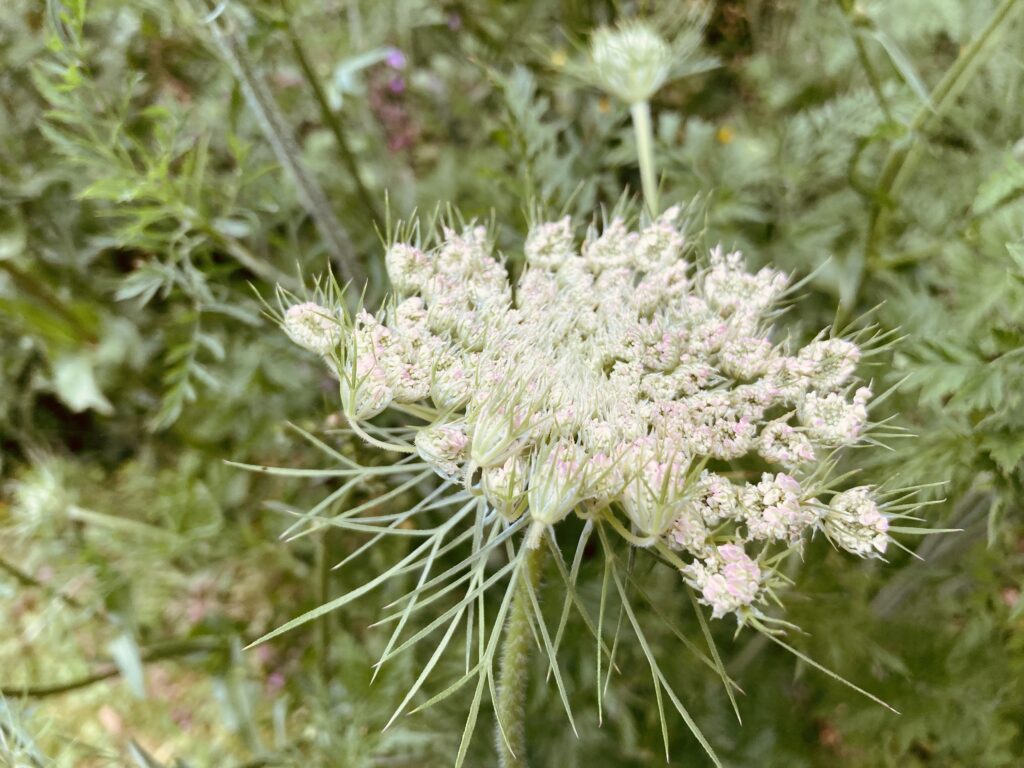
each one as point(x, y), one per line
point(616, 373)
point(623, 378)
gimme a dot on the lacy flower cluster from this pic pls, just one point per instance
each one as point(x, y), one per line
point(616, 379)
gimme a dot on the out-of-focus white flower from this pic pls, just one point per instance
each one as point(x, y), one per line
point(549, 244)
point(408, 268)
point(659, 244)
point(630, 61)
point(610, 249)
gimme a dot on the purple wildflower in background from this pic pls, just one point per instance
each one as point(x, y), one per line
point(396, 59)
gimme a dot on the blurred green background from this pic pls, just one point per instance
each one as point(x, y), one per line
point(159, 159)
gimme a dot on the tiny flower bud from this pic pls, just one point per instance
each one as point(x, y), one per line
point(549, 245)
point(831, 420)
point(313, 327)
point(408, 267)
point(630, 62)
point(444, 447)
point(854, 522)
point(504, 486)
point(556, 481)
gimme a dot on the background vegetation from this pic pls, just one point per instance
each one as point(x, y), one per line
point(159, 159)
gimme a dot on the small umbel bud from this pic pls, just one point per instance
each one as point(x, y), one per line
point(444, 447)
point(313, 327)
point(550, 244)
point(556, 481)
point(504, 486)
point(729, 580)
point(365, 393)
point(408, 267)
point(631, 61)
point(855, 523)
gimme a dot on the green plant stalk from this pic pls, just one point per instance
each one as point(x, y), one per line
point(510, 723)
point(279, 136)
point(331, 120)
point(847, 9)
point(169, 649)
point(901, 160)
point(323, 637)
point(641, 114)
point(28, 580)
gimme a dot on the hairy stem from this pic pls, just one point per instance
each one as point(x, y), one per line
point(641, 113)
point(510, 727)
point(382, 444)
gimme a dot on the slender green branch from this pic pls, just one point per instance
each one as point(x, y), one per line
point(249, 260)
point(323, 635)
point(330, 119)
point(28, 580)
point(902, 159)
point(159, 652)
point(277, 133)
point(865, 61)
point(641, 113)
point(510, 728)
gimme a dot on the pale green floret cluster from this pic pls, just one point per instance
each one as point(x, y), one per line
point(615, 379)
point(631, 61)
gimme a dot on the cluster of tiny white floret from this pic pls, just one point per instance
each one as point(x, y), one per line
point(855, 523)
point(616, 378)
point(728, 578)
point(314, 327)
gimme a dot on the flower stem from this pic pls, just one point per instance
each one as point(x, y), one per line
point(329, 118)
point(903, 158)
point(641, 113)
point(510, 726)
point(382, 444)
point(278, 134)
